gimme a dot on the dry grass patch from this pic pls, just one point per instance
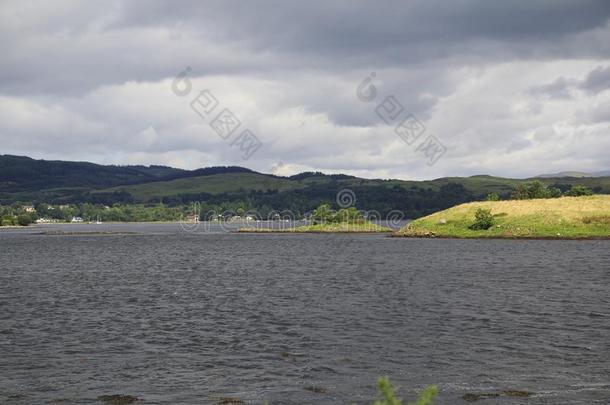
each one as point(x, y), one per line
point(566, 217)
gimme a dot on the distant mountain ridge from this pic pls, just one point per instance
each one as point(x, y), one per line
point(602, 173)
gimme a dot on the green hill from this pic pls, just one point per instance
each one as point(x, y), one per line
point(212, 184)
point(567, 217)
point(20, 174)
point(25, 180)
point(230, 182)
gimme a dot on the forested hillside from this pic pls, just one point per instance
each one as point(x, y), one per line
point(28, 181)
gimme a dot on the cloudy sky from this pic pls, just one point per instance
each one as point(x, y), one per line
point(513, 88)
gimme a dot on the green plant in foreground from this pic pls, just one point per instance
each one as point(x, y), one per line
point(389, 396)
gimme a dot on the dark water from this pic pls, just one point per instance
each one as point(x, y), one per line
point(180, 317)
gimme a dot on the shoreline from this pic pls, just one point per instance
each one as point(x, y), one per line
point(333, 227)
point(497, 237)
point(275, 231)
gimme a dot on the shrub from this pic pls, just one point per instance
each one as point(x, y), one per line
point(483, 220)
point(24, 219)
point(492, 197)
point(7, 220)
point(322, 214)
point(350, 215)
point(578, 191)
point(388, 396)
point(553, 192)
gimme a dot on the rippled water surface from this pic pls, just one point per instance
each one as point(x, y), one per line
point(178, 317)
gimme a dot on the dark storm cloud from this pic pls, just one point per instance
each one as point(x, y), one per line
point(487, 77)
point(147, 40)
point(351, 27)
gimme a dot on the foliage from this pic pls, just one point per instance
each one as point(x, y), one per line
point(535, 189)
point(492, 197)
point(483, 220)
point(25, 219)
point(322, 214)
point(427, 395)
point(578, 191)
point(554, 192)
point(388, 394)
point(350, 215)
point(8, 220)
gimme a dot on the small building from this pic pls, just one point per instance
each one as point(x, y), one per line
point(46, 221)
point(77, 219)
point(29, 208)
point(192, 218)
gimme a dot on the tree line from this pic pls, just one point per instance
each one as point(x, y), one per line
point(413, 202)
point(537, 189)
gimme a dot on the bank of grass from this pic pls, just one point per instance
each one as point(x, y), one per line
point(556, 218)
point(337, 227)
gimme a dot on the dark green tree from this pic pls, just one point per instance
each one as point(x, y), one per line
point(350, 215)
point(322, 214)
point(578, 191)
point(492, 197)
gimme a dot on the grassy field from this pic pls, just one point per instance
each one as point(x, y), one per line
point(566, 217)
point(344, 227)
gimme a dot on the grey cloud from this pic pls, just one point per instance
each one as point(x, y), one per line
point(350, 26)
point(99, 74)
point(597, 80)
point(88, 46)
point(559, 88)
point(600, 113)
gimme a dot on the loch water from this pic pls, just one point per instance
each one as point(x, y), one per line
point(176, 316)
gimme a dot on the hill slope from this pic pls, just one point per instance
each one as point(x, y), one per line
point(25, 180)
point(210, 184)
point(567, 217)
point(21, 174)
point(565, 174)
